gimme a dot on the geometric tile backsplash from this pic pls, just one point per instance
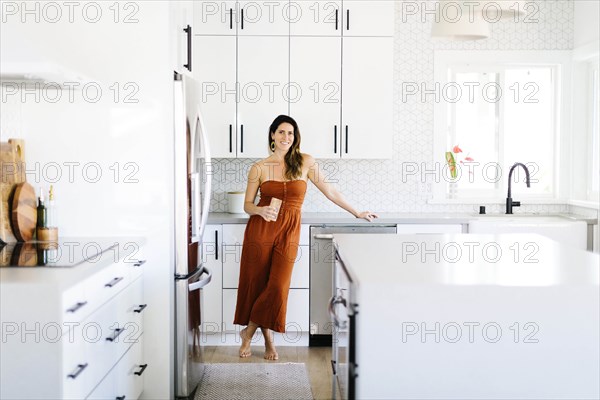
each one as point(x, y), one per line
point(377, 185)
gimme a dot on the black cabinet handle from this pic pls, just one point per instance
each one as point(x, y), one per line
point(114, 282)
point(242, 139)
point(115, 335)
point(242, 18)
point(347, 20)
point(230, 138)
point(141, 308)
point(141, 371)
point(336, 19)
point(139, 263)
point(79, 370)
point(188, 30)
point(120, 397)
point(216, 245)
point(231, 18)
point(346, 139)
point(335, 139)
point(77, 306)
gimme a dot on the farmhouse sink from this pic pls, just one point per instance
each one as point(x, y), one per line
point(561, 229)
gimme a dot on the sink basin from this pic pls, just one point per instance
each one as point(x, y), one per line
point(564, 230)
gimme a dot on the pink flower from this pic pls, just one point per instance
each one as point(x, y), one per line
point(469, 159)
point(456, 149)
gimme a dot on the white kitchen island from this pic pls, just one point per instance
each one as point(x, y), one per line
point(466, 317)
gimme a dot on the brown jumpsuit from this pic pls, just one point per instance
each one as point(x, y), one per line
point(268, 256)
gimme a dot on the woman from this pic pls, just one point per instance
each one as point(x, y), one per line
point(271, 238)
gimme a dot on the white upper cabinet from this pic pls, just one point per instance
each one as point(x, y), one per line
point(215, 69)
point(367, 18)
point(182, 32)
point(215, 17)
point(245, 17)
point(315, 93)
point(263, 18)
point(263, 80)
point(315, 18)
point(367, 97)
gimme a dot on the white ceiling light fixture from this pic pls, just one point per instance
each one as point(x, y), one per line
point(457, 22)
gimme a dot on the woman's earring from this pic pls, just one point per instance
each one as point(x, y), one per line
point(272, 145)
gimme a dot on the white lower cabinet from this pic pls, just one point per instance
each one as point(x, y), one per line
point(297, 311)
point(233, 237)
point(98, 347)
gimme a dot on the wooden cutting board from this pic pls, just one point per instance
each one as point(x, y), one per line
point(24, 212)
point(12, 169)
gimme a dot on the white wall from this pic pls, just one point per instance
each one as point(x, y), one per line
point(587, 22)
point(99, 134)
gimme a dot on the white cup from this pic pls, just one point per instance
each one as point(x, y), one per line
point(235, 202)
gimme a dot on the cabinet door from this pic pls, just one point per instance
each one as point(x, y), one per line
point(229, 301)
point(215, 17)
point(212, 294)
point(316, 18)
point(315, 87)
point(367, 97)
point(182, 26)
point(215, 69)
point(263, 18)
point(300, 273)
point(263, 80)
point(231, 265)
point(368, 18)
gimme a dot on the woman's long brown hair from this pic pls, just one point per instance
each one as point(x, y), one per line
point(293, 158)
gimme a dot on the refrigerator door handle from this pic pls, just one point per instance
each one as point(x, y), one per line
point(196, 206)
point(201, 283)
point(208, 173)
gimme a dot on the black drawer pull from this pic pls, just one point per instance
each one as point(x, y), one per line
point(347, 20)
point(335, 139)
point(231, 18)
point(216, 245)
point(346, 139)
point(77, 306)
point(114, 282)
point(80, 368)
point(114, 337)
point(242, 18)
point(120, 398)
point(141, 308)
point(139, 263)
point(242, 138)
point(141, 371)
point(336, 19)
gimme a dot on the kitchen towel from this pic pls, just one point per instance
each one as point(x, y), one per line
point(263, 381)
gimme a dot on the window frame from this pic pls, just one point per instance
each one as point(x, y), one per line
point(559, 60)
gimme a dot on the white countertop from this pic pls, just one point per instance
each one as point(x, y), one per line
point(315, 218)
point(466, 259)
point(112, 249)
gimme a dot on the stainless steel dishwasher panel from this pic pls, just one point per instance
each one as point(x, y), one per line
point(321, 273)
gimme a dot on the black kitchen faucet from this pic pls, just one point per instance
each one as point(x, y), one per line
point(509, 201)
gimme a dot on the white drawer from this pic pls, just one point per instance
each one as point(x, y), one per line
point(77, 380)
point(133, 312)
point(75, 303)
point(130, 372)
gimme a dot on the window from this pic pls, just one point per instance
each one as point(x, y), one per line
point(499, 108)
point(594, 131)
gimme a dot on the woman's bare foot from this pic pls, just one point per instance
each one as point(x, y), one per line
point(270, 352)
point(246, 341)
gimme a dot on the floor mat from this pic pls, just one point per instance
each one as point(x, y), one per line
point(262, 381)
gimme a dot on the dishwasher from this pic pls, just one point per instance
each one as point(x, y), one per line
point(321, 275)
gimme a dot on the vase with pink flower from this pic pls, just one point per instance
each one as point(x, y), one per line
point(451, 158)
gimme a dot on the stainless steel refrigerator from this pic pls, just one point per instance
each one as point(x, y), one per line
point(192, 190)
